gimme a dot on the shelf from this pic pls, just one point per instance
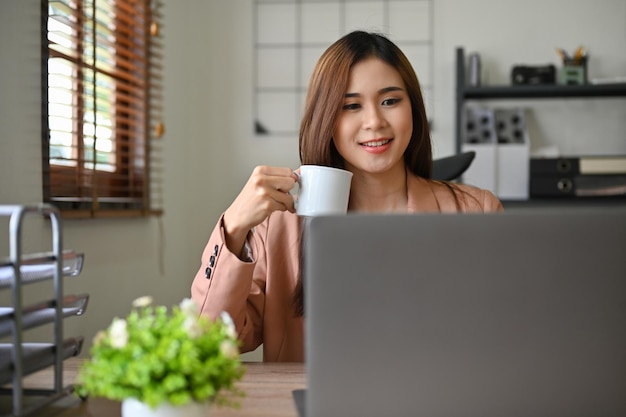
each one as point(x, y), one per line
point(466, 92)
point(41, 266)
point(543, 91)
point(42, 313)
point(494, 157)
point(37, 356)
point(565, 202)
point(19, 358)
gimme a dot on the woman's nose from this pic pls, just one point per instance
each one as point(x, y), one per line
point(373, 118)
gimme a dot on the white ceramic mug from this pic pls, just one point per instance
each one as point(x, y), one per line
point(322, 191)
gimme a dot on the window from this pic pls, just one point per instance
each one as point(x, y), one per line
point(102, 107)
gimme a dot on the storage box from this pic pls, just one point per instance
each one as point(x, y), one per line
point(479, 135)
point(502, 154)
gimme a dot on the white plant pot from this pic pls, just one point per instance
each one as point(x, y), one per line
point(134, 408)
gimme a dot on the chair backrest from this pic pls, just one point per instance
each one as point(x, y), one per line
point(452, 167)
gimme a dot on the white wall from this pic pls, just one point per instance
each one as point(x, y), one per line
point(209, 145)
point(512, 32)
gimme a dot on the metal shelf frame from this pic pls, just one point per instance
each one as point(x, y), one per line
point(465, 92)
point(26, 358)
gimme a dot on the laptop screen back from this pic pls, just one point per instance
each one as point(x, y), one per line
point(508, 314)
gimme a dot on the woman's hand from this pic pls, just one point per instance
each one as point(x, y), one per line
point(267, 190)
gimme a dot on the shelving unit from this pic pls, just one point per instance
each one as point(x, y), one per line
point(466, 92)
point(18, 358)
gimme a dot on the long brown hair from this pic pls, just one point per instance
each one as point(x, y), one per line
point(324, 101)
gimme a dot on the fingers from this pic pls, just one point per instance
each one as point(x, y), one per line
point(274, 195)
point(273, 171)
point(279, 181)
point(278, 178)
point(277, 172)
point(267, 190)
point(286, 200)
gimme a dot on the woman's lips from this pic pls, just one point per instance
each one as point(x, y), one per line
point(376, 146)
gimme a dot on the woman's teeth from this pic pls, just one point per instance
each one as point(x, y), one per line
point(377, 143)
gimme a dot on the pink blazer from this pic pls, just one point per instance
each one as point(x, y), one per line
point(258, 293)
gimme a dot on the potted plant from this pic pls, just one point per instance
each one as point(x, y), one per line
point(159, 363)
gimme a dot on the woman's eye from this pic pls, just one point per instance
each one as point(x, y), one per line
point(390, 101)
point(351, 106)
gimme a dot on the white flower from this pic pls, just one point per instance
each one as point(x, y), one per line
point(118, 333)
point(144, 301)
point(192, 327)
point(229, 349)
point(99, 337)
point(189, 307)
point(230, 325)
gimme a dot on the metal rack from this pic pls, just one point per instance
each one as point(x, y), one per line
point(17, 358)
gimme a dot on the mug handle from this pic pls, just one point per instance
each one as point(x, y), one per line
point(294, 194)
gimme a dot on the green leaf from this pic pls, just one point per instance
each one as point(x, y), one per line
point(162, 362)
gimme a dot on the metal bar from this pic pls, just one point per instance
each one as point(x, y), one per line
point(18, 213)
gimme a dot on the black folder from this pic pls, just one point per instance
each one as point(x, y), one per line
point(593, 176)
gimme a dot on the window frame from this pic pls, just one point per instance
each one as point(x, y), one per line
point(94, 192)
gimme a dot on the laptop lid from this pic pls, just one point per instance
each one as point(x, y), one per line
point(509, 314)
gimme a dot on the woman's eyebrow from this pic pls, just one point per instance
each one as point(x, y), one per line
point(381, 91)
point(389, 89)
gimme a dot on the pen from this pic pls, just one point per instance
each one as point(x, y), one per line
point(579, 54)
point(562, 54)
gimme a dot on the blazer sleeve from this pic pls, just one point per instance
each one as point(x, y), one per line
point(491, 203)
point(226, 283)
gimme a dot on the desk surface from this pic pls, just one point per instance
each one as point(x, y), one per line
point(268, 389)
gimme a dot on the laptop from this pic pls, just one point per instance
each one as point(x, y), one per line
point(509, 314)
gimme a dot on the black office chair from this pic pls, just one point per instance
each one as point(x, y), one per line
point(452, 167)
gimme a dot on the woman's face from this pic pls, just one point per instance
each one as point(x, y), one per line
point(375, 124)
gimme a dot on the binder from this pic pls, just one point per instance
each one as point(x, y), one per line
point(584, 165)
point(585, 176)
point(600, 185)
point(578, 186)
point(551, 186)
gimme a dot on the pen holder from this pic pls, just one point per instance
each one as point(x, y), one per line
point(574, 72)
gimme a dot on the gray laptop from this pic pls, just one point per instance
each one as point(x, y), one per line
point(499, 315)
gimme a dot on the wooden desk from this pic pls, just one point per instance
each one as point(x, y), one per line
point(268, 389)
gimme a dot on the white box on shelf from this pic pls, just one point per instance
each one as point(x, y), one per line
point(500, 140)
point(512, 171)
point(482, 172)
point(479, 135)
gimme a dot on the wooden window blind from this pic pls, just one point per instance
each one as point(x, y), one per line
point(102, 123)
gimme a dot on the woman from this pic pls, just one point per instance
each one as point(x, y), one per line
point(365, 113)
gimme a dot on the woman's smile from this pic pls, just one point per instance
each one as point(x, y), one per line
point(376, 146)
